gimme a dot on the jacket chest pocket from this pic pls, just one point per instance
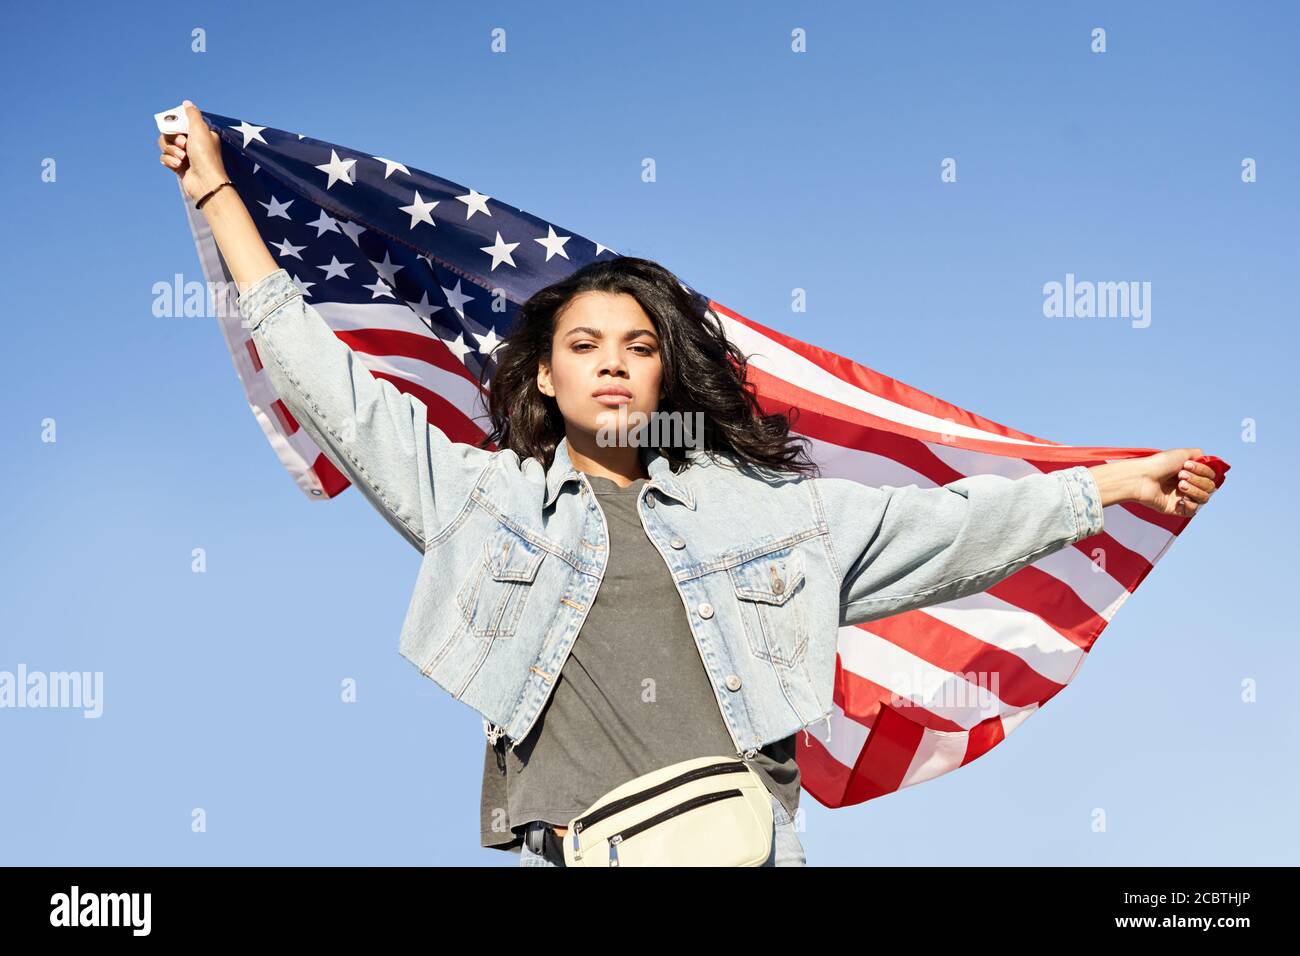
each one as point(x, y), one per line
point(494, 593)
point(770, 592)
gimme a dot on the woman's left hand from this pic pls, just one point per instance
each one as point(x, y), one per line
point(1173, 484)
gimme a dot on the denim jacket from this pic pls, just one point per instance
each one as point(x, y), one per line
point(769, 565)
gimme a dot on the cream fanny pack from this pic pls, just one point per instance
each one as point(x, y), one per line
point(706, 811)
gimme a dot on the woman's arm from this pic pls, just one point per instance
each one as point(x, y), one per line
point(377, 435)
point(902, 548)
point(196, 159)
point(898, 549)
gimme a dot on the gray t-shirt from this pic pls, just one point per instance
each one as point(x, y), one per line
point(632, 697)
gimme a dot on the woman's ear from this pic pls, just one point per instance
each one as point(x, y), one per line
point(544, 378)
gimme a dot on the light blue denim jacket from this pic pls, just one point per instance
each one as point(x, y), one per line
point(768, 566)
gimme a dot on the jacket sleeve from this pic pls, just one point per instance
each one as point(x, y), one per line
point(377, 435)
point(897, 549)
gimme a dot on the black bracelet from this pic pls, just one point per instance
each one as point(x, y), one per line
point(199, 204)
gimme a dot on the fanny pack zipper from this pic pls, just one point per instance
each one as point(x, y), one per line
point(633, 799)
point(690, 804)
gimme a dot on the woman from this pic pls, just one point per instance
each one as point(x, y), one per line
point(705, 565)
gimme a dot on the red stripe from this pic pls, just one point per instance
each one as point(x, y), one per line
point(859, 697)
point(408, 344)
point(885, 759)
point(983, 737)
point(253, 357)
point(1053, 602)
point(332, 481)
point(821, 776)
point(454, 423)
point(288, 424)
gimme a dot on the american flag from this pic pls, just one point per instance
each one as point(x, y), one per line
point(422, 277)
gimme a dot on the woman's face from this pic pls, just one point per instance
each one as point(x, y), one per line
point(604, 342)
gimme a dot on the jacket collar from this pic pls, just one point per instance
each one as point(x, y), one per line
point(662, 478)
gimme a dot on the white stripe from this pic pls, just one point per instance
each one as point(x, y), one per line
point(968, 462)
point(936, 689)
point(995, 622)
point(360, 316)
point(461, 393)
point(1147, 539)
point(864, 467)
point(846, 739)
point(940, 751)
point(776, 359)
point(937, 752)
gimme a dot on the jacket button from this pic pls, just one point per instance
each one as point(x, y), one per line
point(733, 682)
point(677, 543)
point(706, 610)
point(649, 501)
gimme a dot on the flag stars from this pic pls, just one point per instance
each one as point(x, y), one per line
point(352, 230)
point(277, 208)
point(457, 299)
point(475, 202)
point(500, 252)
point(390, 166)
point(250, 133)
point(338, 169)
point(287, 248)
point(324, 224)
point(420, 210)
point(487, 343)
point(424, 309)
point(554, 244)
point(457, 347)
point(379, 288)
point(302, 286)
point(336, 268)
point(387, 269)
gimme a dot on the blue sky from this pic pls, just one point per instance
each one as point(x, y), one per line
point(775, 171)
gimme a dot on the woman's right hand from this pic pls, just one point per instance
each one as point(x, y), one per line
point(195, 158)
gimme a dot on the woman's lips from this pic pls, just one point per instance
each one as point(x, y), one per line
point(613, 400)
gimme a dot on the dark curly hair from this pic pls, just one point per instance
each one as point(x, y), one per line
point(703, 371)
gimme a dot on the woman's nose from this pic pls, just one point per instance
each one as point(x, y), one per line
point(613, 363)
